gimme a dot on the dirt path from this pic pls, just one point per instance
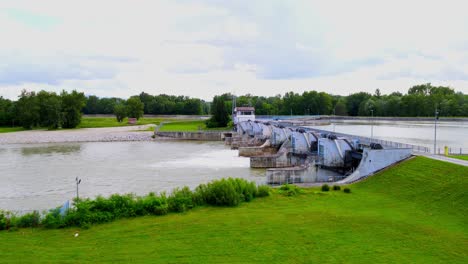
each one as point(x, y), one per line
point(446, 159)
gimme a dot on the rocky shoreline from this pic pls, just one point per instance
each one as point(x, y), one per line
point(108, 134)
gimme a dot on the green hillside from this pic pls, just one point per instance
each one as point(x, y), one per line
point(415, 212)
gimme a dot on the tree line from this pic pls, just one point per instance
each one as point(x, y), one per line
point(43, 109)
point(52, 110)
point(420, 101)
point(152, 104)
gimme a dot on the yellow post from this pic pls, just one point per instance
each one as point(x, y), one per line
point(446, 151)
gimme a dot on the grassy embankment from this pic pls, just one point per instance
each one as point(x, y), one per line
point(413, 213)
point(190, 126)
point(462, 157)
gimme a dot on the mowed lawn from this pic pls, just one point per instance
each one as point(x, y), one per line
point(415, 212)
point(190, 126)
point(10, 129)
point(95, 122)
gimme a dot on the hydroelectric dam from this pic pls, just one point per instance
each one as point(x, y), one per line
point(299, 154)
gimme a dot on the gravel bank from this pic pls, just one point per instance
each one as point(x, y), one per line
point(130, 133)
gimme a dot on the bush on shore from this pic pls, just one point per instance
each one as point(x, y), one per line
point(336, 187)
point(325, 188)
point(289, 190)
point(224, 192)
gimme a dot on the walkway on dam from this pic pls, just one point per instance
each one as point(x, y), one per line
point(444, 158)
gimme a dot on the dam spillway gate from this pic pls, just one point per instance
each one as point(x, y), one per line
point(295, 154)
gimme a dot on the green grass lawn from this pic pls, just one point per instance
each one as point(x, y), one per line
point(188, 126)
point(413, 213)
point(10, 129)
point(94, 122)
point(462, 157)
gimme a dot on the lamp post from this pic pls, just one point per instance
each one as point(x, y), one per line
point(78, 181)
point(372, 125)
point(436, 117)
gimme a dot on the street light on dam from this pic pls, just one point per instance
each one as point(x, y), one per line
point(372, 123)
point(436, 117)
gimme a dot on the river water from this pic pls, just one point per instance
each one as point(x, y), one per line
point(451, 134)
point(42, 176)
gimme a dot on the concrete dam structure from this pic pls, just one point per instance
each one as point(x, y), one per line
point(293, 154)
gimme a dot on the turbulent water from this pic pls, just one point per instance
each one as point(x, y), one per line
point(42, 176)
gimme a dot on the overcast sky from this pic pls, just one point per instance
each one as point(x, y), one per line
point(202, 48)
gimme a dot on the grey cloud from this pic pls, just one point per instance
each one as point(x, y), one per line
point(443, 74)
point(52, 70)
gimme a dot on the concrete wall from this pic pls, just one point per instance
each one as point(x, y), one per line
point(264, 149)
point(374, 160)
point(299, 174)
point(202, 135)
point(256, 151)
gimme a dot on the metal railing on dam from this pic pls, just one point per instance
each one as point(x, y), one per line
point(386, 143)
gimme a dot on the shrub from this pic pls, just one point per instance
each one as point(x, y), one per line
point(347, 190)
point(325, 188)
point(263, 190)
point(28, 220)
point(246, 190)
point(152, 204)
point(4, 220)
point(336, 187)
point(222, 193)
point(180, 200)
point(289, 190)
point(200, 195)
point(54, 219)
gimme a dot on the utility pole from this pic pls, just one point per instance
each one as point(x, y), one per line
point(435, 129)
point(372, 125)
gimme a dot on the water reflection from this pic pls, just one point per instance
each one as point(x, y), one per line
point(54, 149)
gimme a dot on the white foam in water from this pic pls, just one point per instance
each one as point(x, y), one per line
point(210, 160)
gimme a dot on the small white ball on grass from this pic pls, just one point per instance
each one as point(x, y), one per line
point(76, 234)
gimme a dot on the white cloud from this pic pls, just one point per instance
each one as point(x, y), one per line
point(202, 48)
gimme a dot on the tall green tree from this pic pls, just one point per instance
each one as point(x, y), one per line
point(135, 108)
point(50, 109)
point(7, 112)
point(120, 111)
point(72, 105)
point(219, 111)
point(28, 109)
point(340, 108)
point(354, 101)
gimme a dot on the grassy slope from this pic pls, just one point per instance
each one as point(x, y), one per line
point(413, 213)
point(10, 129)
point(462, 157)
point(190, 126)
